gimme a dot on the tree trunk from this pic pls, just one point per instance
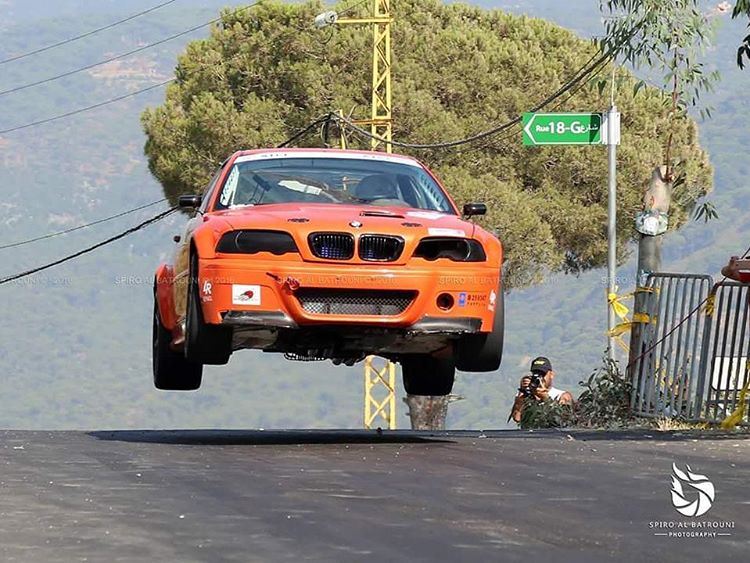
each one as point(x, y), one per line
point(427, 413)
point(658, 197)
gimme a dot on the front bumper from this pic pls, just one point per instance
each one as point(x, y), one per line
point(251, 292)
point(276, 319)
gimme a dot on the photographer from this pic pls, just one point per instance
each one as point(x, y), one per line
point(538, 384)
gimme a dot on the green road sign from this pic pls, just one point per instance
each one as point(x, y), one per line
point(562, 129)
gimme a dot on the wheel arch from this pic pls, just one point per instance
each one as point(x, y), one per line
point(203, 241)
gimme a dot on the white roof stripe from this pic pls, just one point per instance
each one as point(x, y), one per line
point(379, 156)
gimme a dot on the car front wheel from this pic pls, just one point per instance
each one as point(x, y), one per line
point(484, 352)
point(172, 372)
point(204, 343)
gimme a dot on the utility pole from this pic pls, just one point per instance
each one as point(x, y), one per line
point(613, 139)
point(379, 380)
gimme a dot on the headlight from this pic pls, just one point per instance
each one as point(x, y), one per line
point(252, 242)
point(456, 249)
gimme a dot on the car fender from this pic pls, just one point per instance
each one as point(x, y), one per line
point(206, 235)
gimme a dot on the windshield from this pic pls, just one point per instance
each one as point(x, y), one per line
point(331, 180)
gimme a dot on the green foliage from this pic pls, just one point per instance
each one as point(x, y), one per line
point(265, 73)
point(605, 400)
point(546, 414)
point(706, 211)
point(669, 37)
point(742, 8)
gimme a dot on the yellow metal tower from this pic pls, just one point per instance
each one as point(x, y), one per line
point(380, 375)
point(380, 121)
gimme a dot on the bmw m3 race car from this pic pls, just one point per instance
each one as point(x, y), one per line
point(329, 254)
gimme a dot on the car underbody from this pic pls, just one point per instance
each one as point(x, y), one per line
point(344, 343)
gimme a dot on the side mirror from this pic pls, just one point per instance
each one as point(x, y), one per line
point(190, 201)
point(471, 209)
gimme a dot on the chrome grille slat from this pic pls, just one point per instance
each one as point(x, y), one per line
point(354, 301)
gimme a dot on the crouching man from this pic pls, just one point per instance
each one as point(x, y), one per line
point(539, 384)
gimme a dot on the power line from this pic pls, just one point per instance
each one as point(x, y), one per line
point(141, 91)
point(324, 119)
point(110, 240)
point(99, 104)
point(78, 228)
point(131, 230)
point(351, 8)
point(122, 55)
point(508, 134)
point(578, 78)
point(87, 34)
point(586, 70)
point(87, 108)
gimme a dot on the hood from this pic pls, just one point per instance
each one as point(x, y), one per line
point(300, 220)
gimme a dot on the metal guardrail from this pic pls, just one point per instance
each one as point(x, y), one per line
point(668, 349)
point(690, 359)
point(728, 344)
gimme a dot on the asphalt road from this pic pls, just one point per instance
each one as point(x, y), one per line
point(363, 496)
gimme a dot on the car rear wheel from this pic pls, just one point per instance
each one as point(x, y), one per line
point(484, 352)
point(172, 372)
point(204, 343)
point(425, 375)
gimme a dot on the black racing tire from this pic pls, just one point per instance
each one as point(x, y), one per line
point(425, 375)
point(204, 343)
point(484, 352)
point(172, 372)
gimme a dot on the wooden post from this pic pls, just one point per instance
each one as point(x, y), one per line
point(428, 413)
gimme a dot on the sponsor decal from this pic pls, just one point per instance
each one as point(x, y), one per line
point(692, 496)
point(438, 232)
point(206, 292)
point(469, 299)
point(492, 300)
point(376, 156)
point(246, 295)
point(474, 299)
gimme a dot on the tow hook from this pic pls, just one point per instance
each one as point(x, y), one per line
point(289, 283)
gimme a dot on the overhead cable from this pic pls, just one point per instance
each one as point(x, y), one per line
point(86, 34)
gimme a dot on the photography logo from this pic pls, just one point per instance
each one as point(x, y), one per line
point(700, 483)
point(693, 495)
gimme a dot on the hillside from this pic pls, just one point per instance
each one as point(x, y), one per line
point(75, 341)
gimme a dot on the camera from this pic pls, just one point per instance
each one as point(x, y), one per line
point(536, 381)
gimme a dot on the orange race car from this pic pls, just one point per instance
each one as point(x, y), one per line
point(329, 254)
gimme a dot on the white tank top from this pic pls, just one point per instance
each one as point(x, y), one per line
point(555, 393)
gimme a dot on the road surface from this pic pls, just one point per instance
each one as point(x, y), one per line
point(364, 496)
